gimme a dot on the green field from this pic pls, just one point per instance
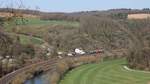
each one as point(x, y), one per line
point(37, 22)
point(36, 27)
point(54, 22)
point(30, 40)
point(109, 72)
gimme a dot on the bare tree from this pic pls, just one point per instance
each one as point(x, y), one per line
point(5, 41)
point(105, 30)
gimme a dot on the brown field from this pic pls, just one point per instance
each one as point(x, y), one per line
point(5, 14)
point(138, 16)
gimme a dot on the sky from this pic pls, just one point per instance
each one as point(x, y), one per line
point(75, 5)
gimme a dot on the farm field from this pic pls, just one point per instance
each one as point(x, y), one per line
point(35, 27)
point(109, 72)
point(36, 23)
point(138, 16)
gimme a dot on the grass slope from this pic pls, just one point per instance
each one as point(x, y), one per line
point(109, 72)
point(28, 40)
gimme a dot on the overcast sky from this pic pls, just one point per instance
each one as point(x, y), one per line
point(77, 5)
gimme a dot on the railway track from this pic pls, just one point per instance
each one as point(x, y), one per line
point(43, 66)
point(9, 77)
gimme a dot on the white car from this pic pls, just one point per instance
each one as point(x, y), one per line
point(78, 51)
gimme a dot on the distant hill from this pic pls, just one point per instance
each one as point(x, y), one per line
point(75, 16)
